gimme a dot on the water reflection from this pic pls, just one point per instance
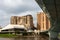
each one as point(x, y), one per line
point(26, 38)
point(5, 38)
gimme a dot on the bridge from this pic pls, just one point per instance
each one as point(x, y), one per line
point(52, 10)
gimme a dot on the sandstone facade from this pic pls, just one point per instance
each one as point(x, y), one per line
point(23, 20)
point(43, 23)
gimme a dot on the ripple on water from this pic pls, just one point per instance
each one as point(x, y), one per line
point(27, 38)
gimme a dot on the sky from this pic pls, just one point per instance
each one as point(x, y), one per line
point(10, 8)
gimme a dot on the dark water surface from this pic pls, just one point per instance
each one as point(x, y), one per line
point(27, 38)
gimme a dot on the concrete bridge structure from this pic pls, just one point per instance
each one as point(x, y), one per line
point(52, 10)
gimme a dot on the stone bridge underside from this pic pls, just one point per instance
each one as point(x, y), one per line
point(52, 10)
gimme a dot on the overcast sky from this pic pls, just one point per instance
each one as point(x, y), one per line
point(10, 8)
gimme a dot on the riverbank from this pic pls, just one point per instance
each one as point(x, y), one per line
point(13, 35)
point(7, 35)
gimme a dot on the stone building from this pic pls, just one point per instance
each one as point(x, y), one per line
point(13, 20)
point(43, 23)
point(23, 20)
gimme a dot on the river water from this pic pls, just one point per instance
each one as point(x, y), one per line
point(26, 38)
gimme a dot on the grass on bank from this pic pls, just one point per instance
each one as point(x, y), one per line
point(12, 35)
point(8, 35)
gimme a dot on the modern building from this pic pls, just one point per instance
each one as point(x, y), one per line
point(19, 24)
point(14, 29)
point(43, 23)
point(27, 20)
point(11, 26)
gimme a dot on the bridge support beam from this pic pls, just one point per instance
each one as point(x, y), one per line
point(53, 35)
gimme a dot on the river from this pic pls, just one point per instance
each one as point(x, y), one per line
point(27, 38)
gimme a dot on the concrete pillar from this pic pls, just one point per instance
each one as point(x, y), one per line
point(53, 35)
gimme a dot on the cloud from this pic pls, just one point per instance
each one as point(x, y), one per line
point(35, 23)
point(10, 8)
point(17, 6)
point(11, 3)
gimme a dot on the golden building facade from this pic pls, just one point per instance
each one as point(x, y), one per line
point(43, 23)
point(23, 20)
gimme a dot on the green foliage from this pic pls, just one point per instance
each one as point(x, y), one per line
point(7, 35)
